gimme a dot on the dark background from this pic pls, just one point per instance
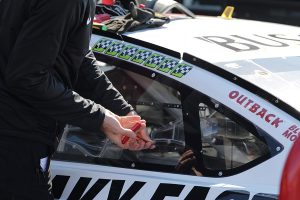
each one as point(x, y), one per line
point(280, 11)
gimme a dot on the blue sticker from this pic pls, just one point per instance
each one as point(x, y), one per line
point(115, 48)
point(181, 70)
point(128, 52)
point(141, 56)
point(168, 65)
point(102, 45)
point(154, 60)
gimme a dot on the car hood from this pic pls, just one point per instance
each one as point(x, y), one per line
point(265, 54)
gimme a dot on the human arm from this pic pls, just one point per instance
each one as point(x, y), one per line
point(32, 74)
point(93, 84)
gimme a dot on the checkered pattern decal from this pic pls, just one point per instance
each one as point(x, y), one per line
point(141, 56)
point(115, 48)
point(181, 70)
point(154, 60)
point(102, 45)
point(128, 52)
point(168, 65)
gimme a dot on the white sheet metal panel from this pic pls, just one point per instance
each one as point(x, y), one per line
point(270, 118)
point(264, 54)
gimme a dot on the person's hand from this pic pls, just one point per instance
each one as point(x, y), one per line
point(143, 137)
point(186, 164)
point(116, 127)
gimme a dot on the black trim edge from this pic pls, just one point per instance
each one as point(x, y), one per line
point(107, 34)
point(152, 46)
point(148, 45)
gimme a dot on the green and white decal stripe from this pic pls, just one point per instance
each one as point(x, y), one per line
point(142, 56)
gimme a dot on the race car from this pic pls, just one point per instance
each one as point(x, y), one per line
point(221, 101)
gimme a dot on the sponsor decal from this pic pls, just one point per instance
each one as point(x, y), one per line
point(168, 65)
point(181, 70)
point(81, 190)
point(234, 195)
point(154, 60)
point(142, 56)
point(114, 49)
point(128, 52)
point(255, 108)
point(102, 45)
point(265, 196)
point(59, 183)
point(292, 133)
point(241, 43)
point(163, 190)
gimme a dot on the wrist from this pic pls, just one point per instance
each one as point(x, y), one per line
point(131, 113)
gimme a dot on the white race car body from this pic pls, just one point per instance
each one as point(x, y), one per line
point(238, 109)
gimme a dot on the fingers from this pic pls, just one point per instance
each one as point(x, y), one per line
point(135, 128)
point(188, 156)
point(127, 132)
point(136, 145)
point(188, 153)
point(118, 129)
point(197, 173)
point(150, 145)
point(129, 121)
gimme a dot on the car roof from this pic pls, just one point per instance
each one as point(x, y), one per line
point(264, 54)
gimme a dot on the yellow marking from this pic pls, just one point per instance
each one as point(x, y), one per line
point(227, 13)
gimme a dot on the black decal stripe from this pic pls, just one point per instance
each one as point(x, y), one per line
point(263, 196)
point(59, 183)
point(134, 188)
point(151, 46)
point(95, 189)
point(107, 34)
point(198, 193)
point(165, 190)
point(79, 188)
point(234, 195)
point(115, 189)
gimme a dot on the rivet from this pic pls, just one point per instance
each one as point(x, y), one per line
point(278, 148)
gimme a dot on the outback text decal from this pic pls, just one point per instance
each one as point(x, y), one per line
point(142, 56)
point(255, 108)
